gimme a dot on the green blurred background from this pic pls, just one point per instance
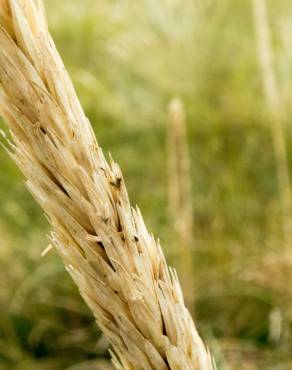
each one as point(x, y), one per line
point(127, 60)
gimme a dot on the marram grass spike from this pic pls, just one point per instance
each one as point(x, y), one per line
point(117, 265)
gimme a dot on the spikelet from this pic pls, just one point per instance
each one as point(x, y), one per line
point(116, 263)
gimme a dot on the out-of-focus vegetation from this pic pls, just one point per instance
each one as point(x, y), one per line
point(127, 60)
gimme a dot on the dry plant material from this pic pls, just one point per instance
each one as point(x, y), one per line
point(116, 263)
point(180, 196)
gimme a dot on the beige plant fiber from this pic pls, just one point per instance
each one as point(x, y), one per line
point(116, 263)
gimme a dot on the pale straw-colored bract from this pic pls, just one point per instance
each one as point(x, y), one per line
point(116, 263)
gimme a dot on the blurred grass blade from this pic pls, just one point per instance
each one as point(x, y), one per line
point(274, 111)
point(180, 196)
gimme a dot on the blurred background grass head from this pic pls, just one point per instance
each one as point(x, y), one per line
point(128, 60)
